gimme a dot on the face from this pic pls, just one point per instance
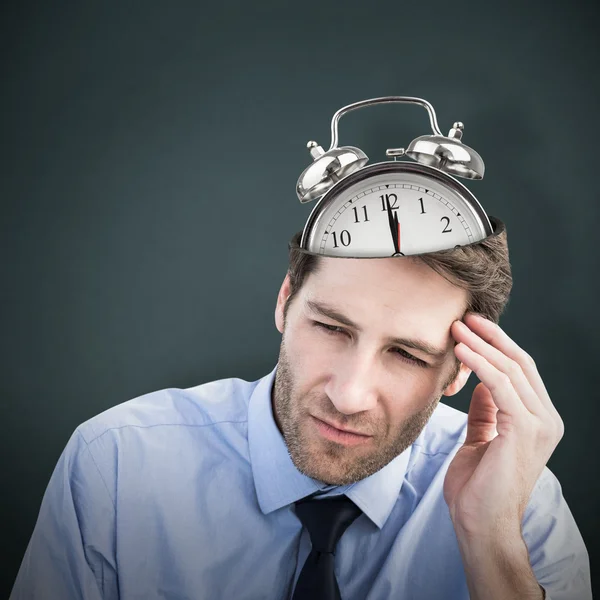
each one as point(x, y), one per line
point(370, 370)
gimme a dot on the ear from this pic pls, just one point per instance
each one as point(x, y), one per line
point(459, 381)
point(284, 292)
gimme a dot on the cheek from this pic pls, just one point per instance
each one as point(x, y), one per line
point(408, 391)
point(306, 359)
point(423, 386)
point(310, 351)
point(414, 399)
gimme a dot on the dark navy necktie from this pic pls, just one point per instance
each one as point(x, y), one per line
point(326, 520)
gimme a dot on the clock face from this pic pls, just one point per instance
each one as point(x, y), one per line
point(395, 208)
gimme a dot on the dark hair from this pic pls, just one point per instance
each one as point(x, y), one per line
point(481, 268)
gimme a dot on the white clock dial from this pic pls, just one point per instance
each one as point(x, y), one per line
point(428, 210)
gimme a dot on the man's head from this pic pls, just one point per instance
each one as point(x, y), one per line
point(372, 370)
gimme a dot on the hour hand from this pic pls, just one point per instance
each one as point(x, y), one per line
point(394, 228)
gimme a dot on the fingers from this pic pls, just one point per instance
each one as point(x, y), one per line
point(498, 338)
point(503, 367)
point(507, 398)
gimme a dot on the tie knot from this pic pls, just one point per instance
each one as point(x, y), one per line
point(326, 520)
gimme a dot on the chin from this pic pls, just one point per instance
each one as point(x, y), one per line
point(329, 463)
point(326, 476)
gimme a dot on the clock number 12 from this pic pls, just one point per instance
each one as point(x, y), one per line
point(389, 198)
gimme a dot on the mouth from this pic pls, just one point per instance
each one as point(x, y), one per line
point(338, 435)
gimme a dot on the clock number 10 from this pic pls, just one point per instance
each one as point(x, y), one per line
point(344, 238)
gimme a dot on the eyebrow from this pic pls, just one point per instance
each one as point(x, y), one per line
point(330, 312)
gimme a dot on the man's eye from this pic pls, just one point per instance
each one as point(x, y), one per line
point(410, 358)
point(331, 329)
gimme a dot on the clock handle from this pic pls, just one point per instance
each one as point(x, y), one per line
point(383, 99)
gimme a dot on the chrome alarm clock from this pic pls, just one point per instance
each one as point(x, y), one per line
point(392, 208)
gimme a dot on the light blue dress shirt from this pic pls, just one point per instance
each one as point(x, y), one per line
point(187, 494)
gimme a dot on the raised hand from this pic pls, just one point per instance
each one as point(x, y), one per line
point(512, 430)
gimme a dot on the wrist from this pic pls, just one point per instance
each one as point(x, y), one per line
point(497, 566)
point(497, 529)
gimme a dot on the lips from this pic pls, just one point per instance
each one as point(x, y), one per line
point(343, 438)
point(343, 429)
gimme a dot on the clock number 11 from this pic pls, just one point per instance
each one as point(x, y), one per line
point(356, 214)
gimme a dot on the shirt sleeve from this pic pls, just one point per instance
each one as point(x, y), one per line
point(557, 552)
point(70, 555)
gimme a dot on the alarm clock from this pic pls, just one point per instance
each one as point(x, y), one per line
point(396, 207)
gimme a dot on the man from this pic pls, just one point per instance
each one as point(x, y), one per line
point(202, 493)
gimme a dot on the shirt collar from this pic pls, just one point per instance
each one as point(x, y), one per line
point(278, 482)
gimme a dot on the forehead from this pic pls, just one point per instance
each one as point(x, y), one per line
point(398, 288)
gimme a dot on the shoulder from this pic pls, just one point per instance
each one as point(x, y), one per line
point(222, 400)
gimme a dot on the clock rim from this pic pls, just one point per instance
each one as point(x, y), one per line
point(398, 167)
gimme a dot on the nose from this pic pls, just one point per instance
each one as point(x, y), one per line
point(353, 385)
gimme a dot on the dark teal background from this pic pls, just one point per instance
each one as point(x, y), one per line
point(150, 153)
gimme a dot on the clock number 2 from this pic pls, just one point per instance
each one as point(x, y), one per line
point(344, 239)
point(446, 225)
